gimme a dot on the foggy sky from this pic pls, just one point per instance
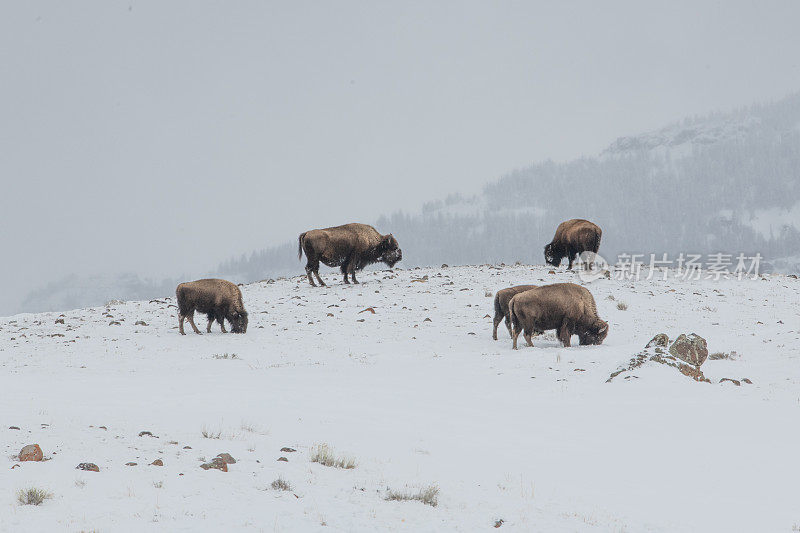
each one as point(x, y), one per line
point(163, 137)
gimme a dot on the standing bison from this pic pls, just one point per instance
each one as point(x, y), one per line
point(572, 238)
point(216, 298)
point(351, 247)
point(501, 300)
point(565, 307)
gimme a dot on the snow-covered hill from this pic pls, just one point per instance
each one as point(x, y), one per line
point(536, 438)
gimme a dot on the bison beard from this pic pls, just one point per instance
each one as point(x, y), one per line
point(350, 247)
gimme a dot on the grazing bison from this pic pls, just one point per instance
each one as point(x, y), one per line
point(501, 300)
point(573, 237)
point(565, 307)
point(351, 247)
point(216, 298)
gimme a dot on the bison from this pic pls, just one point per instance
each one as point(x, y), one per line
point(572, 238)
point(501, 300)
point(217, 298)
point(351, 247)
point(565, 307)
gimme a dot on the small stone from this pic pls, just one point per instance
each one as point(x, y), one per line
point(187, 447)
point(157, 462)
point(659, 340)
point(427, 319)
point(140, 323)
point(228, 458)
point(31, 452)
point(551, 271)
point(734, 381)
point(283, 459)
point(13, 427)
point(130, 464)
point(15, 466)
point(59, 321)
point(215, 464)
point(113, 323)
point(147, 433)
point(745, 380)
point(368, 310)
point(89, 467)
point(288, 450)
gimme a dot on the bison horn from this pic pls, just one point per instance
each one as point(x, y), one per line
point(603, 328)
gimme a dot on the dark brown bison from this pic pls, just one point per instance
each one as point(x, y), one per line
point(501, 300)
point(216, 298)
point(572, 238)
point(351, 247)
point(565, 307)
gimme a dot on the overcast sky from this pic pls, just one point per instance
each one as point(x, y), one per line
point(163, 137)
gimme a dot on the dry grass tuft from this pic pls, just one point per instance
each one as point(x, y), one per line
point(33, 496)
point(323, 455)
point(281, 484)
point(428, 496)
point(208, 434)
point(622, 306)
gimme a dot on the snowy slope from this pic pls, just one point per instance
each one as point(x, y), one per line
point(535, 437)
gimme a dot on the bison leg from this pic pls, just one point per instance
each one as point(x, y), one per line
point(221, 320)
point(310, 279)
point(564, 334)
point(181, 318)
point(353, 274)
point(210, 321)
point(496, 322)
point(316, 273)
point(528, 338)
point(190, 317)
point(514, 336)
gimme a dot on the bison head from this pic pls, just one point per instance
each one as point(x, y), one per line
point(238, 322)
point(390, 250)
point(550, 256)
point(596, 333)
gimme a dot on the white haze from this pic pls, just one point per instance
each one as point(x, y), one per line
point(161, 138)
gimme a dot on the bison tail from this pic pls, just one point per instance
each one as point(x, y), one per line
point(515, 322)
point(498, 311)
point(300, 246)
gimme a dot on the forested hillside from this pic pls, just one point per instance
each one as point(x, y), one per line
point(718, 183)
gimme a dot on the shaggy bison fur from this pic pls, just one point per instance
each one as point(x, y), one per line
point(216, 298)
point(501, 300)
point(351, 247)
point(565, 307)
point(572, 238)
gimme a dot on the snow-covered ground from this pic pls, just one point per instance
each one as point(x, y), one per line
point(536, 438)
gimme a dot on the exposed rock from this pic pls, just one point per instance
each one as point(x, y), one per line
point(657, 355)
point(288, 450)
point(59, 320)
point(113, 323)
point(228, 458)
point(31, 452)
point(157, 462)
point(691, 349)
point(283, 459)
point(13, 427)
point(734, 381)
point(745, 380)
point(187, 447)
point(130, 464)
point(659, 340)
point(89, 467)
point(140, 323)
point(215, 464)
point(146, 433)
point(444, 265)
